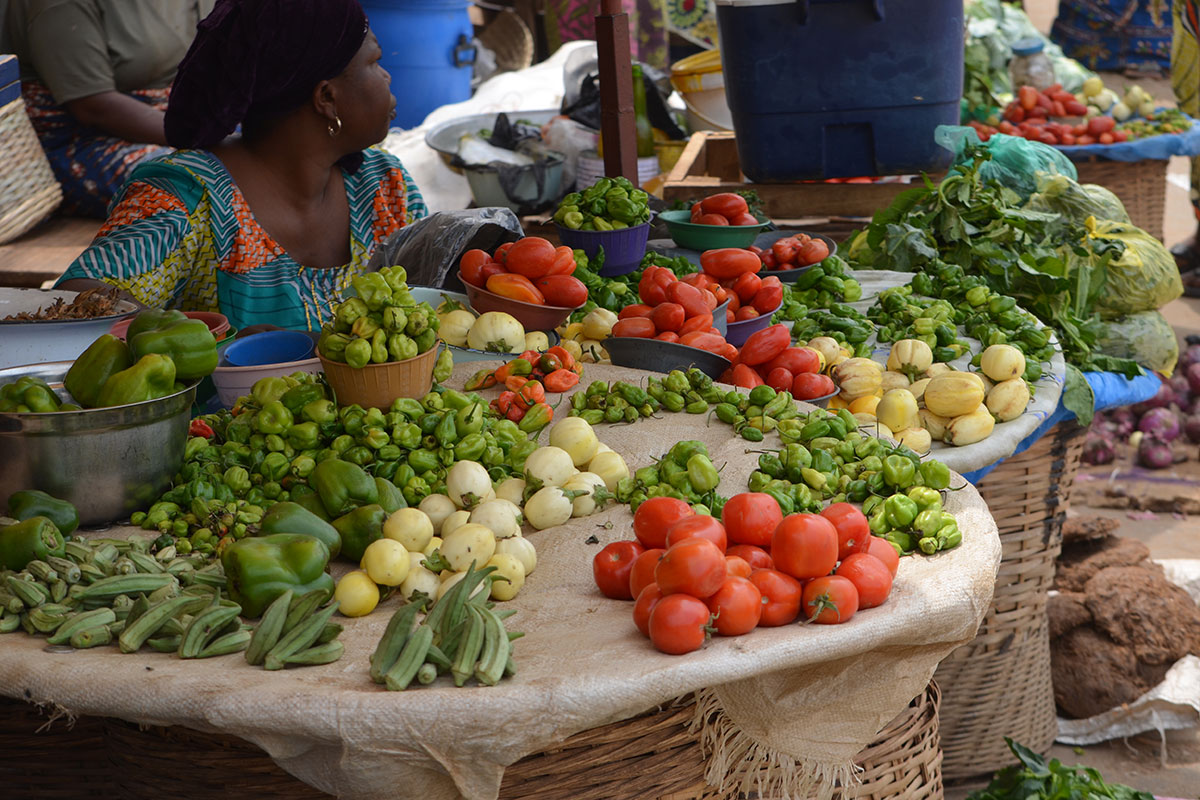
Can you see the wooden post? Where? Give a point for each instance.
(616, 91)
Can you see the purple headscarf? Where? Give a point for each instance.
(256, 58)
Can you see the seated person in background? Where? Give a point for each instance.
(268, 227)
(95, 76)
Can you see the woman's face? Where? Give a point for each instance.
(366, 105)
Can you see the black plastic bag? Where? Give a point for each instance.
(586, 108)
(430, 249)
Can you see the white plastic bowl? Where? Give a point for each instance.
(234, 382)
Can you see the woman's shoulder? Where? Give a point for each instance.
(380, 165)
(190, 174)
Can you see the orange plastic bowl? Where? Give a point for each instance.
(217, 323)
(531, 316)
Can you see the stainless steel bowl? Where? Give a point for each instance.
(108, 462)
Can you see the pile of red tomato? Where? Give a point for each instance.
(792, 252)
(1031, 116)
(692, 575)
(736, 270)
(725, 208)
(531, 270)
(676, 310)
(768, 357)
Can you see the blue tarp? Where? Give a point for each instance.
(1111, 390)
(1159, 147)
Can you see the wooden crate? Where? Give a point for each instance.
(709, 164)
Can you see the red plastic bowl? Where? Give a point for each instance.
(531, 316)
(217, 323)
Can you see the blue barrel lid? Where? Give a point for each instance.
(1028, 46)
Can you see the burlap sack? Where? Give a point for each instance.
(799, 700)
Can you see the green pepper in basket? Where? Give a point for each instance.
(28, 394)
(30, 539)
(259, 569)
(358, 353)
(151, 377)
(104, 358)
(401, 347)
(333, 346)
(291, 517)
(189, 343)
(374, 290)
(347, 312)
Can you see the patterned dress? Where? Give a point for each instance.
(180, 235)
(1185, 73)
(1115, 34)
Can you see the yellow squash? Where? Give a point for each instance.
(1008, 399)
(954, 394)
(910, 356)
(1001, 362)
(970, 428)
(898, 410)
(858, 377)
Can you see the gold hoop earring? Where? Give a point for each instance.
(334, 131)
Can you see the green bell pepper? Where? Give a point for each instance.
(273, 418)
(268, 390)
(189, 343)
(935, 474)
(104, 358)
(374, 290)
(293, 517)
(304, 436)
(274, 466)
(299, 396)
(900, 511)
(926, 498)
(702, 474)
(259, 569)
(34, 538)
(359, 528)
(152, 376)
(390, 496)
(899, 472)
(358, 353)
(343, 486)
(153, 320)
(33, 503)
(28, 394)
(443, 368)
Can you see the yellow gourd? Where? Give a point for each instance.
(858, 377)
(953, 394)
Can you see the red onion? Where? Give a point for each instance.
(1161, 399)
(1189, 356)
(1098, 449)
(1181, 389)
(1191, 427)
(1154, 453)
(1192, 376)
(1161, 423)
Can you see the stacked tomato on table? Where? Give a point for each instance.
(531, 270)
(678, 310)
(725, 208)
(692, 575)
(736, 270)
(1053, 117)
(768, 357)
(792, 252)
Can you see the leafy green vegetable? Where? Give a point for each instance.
(1036, 779)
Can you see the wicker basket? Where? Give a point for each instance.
(29, 191)
(999, 684)
(510, 39)
(1141, 185)
(51, 759)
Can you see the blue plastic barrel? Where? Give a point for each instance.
(427, 49)
(840, 88)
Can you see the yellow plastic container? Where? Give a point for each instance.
(700, 80)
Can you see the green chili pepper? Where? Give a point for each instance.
(899, 471)
(934, 474)
(900, 510)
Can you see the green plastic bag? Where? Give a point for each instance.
(1015, 161)
(1143, 278)
(1076, 201)
(1145, 337)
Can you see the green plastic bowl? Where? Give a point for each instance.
(691, 236)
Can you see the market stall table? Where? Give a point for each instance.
(581, 664)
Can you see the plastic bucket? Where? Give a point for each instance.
(427, 49)
(624, 249)
(377, 385)
(700, 81)
(840, 88)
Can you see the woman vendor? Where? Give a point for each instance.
(95, 77)
(270, 226)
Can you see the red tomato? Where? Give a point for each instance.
(564, 261)
(780, 379)
(1120, 136)
(700, 322)
(768, 260)
(611, 568)
(641, 574)
(781, 596)
(1100, 124)
(1027, 96)
(764, 345)
(668, 316)
(744, 219)
(745, 377)
(883, 550)
(758, 251)
(710, 219)
(870, 577)
(646, 601)
(712, 342)
(471, 265)
(785, 250)
(737, 606)
(751, 518)
(735, 565)
(829, 600)
(636, 310)
(797, 360)
(756, 557)
(813, 251)
(744, 313)
(565, 291)
(693, 566)
(809, 386)
(853, 530)
(501, 254)
(727, 204)
(697, 526)
(679, 624)
(730, 316)
(515, 287)
(653, 517)
(668, 336)
(688, 296)
(532, 257)
(746, 286)
(1058, 109)
(1106, 138)
(637, 327)
(729, 262)
(805, 546)
(769, 297)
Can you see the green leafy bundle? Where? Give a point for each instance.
(1036, 779)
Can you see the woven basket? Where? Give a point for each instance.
(29, 191)
(999, 684)
(51, 759)
(1141, 185)
(510, 39)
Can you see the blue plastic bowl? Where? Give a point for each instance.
(623, 249)
(737, 333)
(269, 347)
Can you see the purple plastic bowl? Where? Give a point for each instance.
(737, 333)
(623, 249)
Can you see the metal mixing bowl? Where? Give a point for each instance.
(108, 462)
